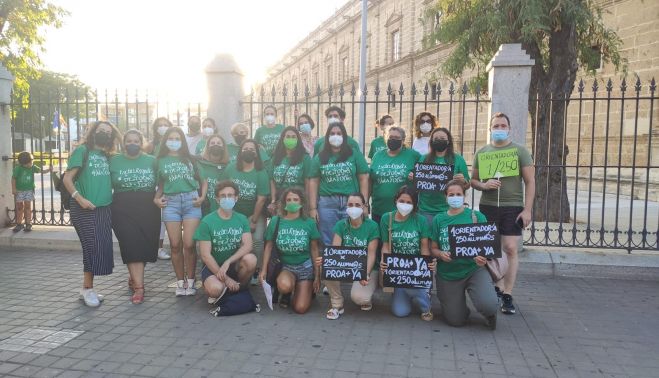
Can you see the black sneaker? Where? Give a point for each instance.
(507, 306)
(285, 300)
(491, 322)
(28, 227)
(18, 227)
(499, 292)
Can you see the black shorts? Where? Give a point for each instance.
(505, 217)
(232, 272)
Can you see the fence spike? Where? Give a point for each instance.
(318, 90)
(401, 90)
(274, 91)
(637, 86)
(284, 91)
(341, 91)
(330, 90)
(389, 90)
(353, 90)
(365, 90)
(413, 90)
(306, 90)
(426, 89)
(451, 89)
(295, 92)
(623, 85)
(609, 85)
(377, 89)
(595, 85)
(580, 87)
(439, 89)
(653, 85)
(465, 89)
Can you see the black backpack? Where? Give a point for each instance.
(237, 303)
(58, 181)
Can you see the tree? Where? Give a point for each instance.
(561, 36)
(22, 27)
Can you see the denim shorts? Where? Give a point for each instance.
(302, 272)
(25, 196)
(179, 207)
(232, 272)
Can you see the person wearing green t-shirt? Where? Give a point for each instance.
(336, 172)
(442, 151)
(88, 180)
(505, 200)
(22, 188)
(403, 231)
(457, 277)
(225, 242)
(379, 144)
(290, 166)
(158, 129)
(390, 169)
(355, 231)
(268, 135)
(135, 218)
(214, 159)
(240, 133)
(295, 236)
(181, 191)
(335, 115)
(208, 129)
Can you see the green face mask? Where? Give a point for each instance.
(290, 143)
(292, 207)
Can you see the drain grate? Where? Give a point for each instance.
(39, 340)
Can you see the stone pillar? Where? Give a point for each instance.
(508, 84)
(6, 198)
(225, 91)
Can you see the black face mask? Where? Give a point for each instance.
(194, 127)
(103, 139)
(439, 145)
(216, 150)
(394, 144)
(248, 156)
(239, 139)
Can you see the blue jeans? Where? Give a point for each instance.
(331, 209)
(179, 207)
(401, 303)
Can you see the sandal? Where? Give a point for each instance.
(138, 295)
(334, 313)
(130, 284)
(427, 316)
(367, 307)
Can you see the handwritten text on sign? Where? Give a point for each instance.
(432, 177)
(474, 239)
(344, 264)
(506, 162)
(407, 271)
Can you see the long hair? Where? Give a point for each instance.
(409, 190)
(417, 122)
(90, 137)
(326, 152)
(361, 197)
(224, 159)
(449, 156)
(154, 129)
(280, 150)
(303, 201)
(183, 153)
(258, 163)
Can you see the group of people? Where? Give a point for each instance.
(286, 191)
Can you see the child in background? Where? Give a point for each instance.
(22, 187)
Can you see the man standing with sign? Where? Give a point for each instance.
(499, 169)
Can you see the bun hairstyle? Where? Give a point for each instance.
(457, 182)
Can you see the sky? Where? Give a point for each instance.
(165, 45)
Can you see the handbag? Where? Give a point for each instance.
(58, 182)
(274, 264)
(497, 267)
(235, 304)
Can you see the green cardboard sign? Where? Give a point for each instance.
(506, 162)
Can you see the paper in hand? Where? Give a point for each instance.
(267, 289)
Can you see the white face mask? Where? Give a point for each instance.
(269, 119)
(332, 120)
(425, 127)
(208, 131)
(354, 212)
(336, 140)
(162, 130)
(404, 208)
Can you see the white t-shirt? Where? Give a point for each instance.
(420, 145)
(193, 141)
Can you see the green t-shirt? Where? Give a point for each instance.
(268, 137)
(293, 238)
(24, 177)
(357, 237)
(177, 176)
(435, 202)
(210, 172)
(200, 146)
(133, 175)
(377, 145)
(225, 235)
(233, 150)
(388, 174)
(339, 178)
(406, 236)
(512, 190)
(250, 184)
(457, 269)
(94, 183)
(318, 146)
(286, 176)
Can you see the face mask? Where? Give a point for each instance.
(404, 208)
(227, 203)
(103, 139)
(354, 212)
(439, 145)
(290, 143)
(269, 119)
(248, 156)
(216, 150)
(173, 145)
(162, 130)
(455, 202)
(292, 207)
(239, 139)
(499, 135)
(425, 127)
(208, 131)
(133, 149)
(305, 128)
(194, 127)
(336, 140)
(333, 120)
(394, 144)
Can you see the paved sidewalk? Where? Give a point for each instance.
(565, 327)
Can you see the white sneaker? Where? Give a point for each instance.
(90, 297)
(191, 289)
(163, 254)
(180, 288)
(325, 290)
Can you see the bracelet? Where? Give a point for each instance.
(74, 194)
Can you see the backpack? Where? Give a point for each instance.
(58, 181)
(235, 304)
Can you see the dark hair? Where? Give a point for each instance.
(90, 138)
(209, 119)
(303, 200)
(154, 128)
(270, 107)
(449, 157)
(342, 113)
(258, 163)
(307, 116)
(135, 132)
(383, 119)
(418, 122)
(24, 157)
(358, 194)
(499, 115)
(280, 149)
(183, 153)
(193, 117)
(457, 182)
(326, 152)
(206, 155)
(226, 184)
(409, 190)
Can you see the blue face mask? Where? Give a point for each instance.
(455, 202)
(305, 128)
(227, 203)
(173, 145)
(499, 135)
(133, 149)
